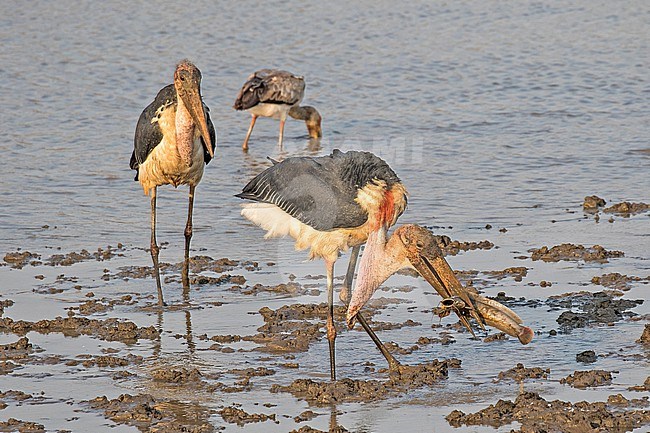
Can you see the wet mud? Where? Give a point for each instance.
(399, 381)
(592, 308)
(571, 252)
(617, 281)
(150, 414)
(537, 415)
(20, 259)
(594, 204)
(240, 417)
(108, 329)
(294, 328)
(520, 373)
(585, 379)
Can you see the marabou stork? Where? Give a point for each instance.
(276, 94)
(174, 140)
(331, 203)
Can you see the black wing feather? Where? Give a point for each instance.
(147, 134)
(213, 136)
(320, 192)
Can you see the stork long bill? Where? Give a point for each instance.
(437, 272)
(192, 100)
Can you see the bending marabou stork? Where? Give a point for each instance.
(276, 94)
(335, 202)
(174, 140)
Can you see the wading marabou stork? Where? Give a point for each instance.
(174, 140)
(276, 94)
(331, 203)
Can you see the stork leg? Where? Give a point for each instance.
(280, 138)
(250, 130)
(331, 329)
(154, 247)
(185, 274)
(393, 364)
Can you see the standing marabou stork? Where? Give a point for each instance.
(174, 140)
(334, 202)
(276, 94)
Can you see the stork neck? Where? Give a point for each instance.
(298, 113)
(184, 132)
(380, 260)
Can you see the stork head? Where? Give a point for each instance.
(313, 122)
(187, 81)
(312, 119)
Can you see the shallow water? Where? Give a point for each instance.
(491, 113)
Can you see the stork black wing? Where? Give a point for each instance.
(213, 135)
(320, 192)
(147, 132)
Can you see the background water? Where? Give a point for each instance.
(501, 113)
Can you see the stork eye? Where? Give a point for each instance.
(419, 244)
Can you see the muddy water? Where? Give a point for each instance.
(492, 114)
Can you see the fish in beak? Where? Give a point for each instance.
(187, 80)
(492, 312)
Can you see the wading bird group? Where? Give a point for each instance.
(327, 204)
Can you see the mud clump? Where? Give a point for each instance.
(109, 329)
(538, 415)
(207, 263)
(587, 357)
(454, 247)
(15, 354)
(289, 328)
(353, 390)
(518, 273)
(592, 203)
(240, 417)
(216, 281)
(308, 429)
(18, 260)
(15, 425)
(106, 361)
(291, 288)
(600, 307)
(588, 379)
(571, 252)
(519, 373)
(252, 372)
(627, 208)
(93, 306)
(617, 281)
(5, 304)
(177, 375)
(198, 264)
(148, 414)
(71, 258)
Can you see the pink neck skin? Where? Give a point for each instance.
(380, 260)
(184, 133)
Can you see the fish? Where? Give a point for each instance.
(491, 312)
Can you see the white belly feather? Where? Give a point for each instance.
(274, 111)
(164, 166)
(278, 223)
